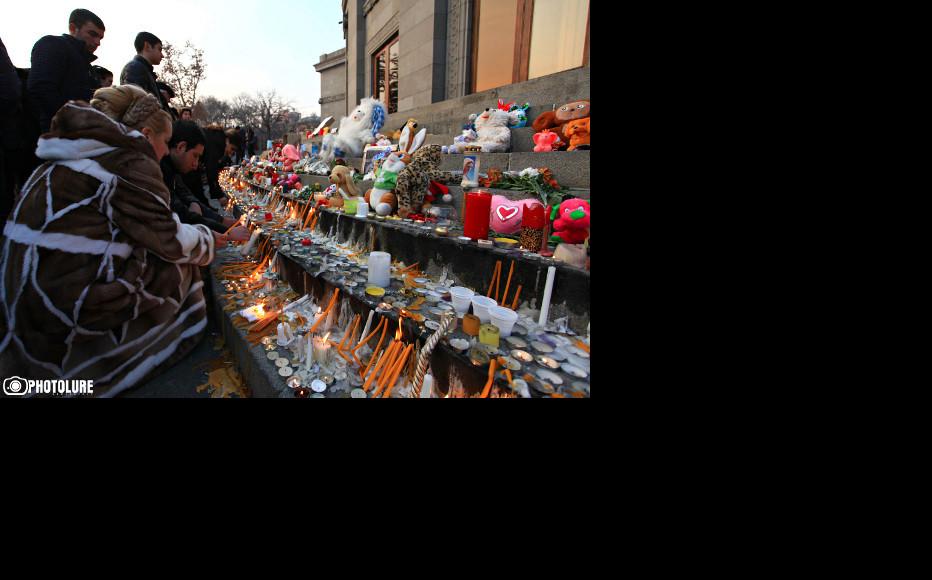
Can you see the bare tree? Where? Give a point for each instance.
(184, 70)
(274, 113)
(213, 110)
(244, 111)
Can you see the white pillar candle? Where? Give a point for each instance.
(308, 353)
(365, 330)
(283, 333)
(380, 266)
(548, 290)
(362, 209)
(427, 387)
(247, 249)
(322, 350)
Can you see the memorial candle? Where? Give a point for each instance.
(380, 264)
(478, 213)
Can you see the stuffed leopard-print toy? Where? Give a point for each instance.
(414, 180)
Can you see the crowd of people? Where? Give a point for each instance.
(110, 201)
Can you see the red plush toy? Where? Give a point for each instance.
(572, 222)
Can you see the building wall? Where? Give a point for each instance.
(332, 69)
(434, 57)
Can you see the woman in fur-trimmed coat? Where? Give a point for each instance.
(100, 279)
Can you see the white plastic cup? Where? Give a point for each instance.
(362, 209)
(480, 307)
(461, 298)
(504, 319)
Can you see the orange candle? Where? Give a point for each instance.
(378, 365)
(397, 372)
(507, 284)
(488, 385)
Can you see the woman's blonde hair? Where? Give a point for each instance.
(133, 107)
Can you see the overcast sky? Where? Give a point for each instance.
(248, 46)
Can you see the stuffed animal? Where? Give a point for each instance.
(578, 133)
(492, 131)
(556, 120)
(436, 190)
(507, 215)
(381, 197)
(411, 124)
(290, 155)
(414, 180)
(545, 140)
(356, 131)
(342, 177)
(519, 117)
(572, 222)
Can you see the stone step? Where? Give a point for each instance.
(570, 168)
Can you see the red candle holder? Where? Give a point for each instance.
(478, 213)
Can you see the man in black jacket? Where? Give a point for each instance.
(10, 98)
(61, 66)
(139, 71)
(184, 154)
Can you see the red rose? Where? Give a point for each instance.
(306, 242)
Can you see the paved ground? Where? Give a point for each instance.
(181, 380)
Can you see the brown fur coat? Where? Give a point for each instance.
(100, 279)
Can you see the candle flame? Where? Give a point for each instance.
(398, 333)
(326, 337)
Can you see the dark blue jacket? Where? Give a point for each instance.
(61, 72)
(140, 72)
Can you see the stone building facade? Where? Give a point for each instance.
(431, 59)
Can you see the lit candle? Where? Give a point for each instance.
(365, 330)
(478, 212)
(322, 349)
(548, 290)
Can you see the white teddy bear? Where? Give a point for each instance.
(356, 131)
(492, 131)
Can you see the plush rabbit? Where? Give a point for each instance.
(494, 136)
(356, 131)
(381, 197)
(414, 180)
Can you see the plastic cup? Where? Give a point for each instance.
(461, 298)
(349, 206)
(480, 307)
(362, 209)
(504, 319)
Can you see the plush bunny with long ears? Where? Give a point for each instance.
(381, 197)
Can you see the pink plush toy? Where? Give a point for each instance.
(544, 141)
(572, 222)
(506, 214)
(290, 155)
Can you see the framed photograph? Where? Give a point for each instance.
(373, 151)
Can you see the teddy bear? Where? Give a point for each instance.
(571, 225)
(556, 120)
(356, 131)
(577, 131)
(492, 131)
(545, 140)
